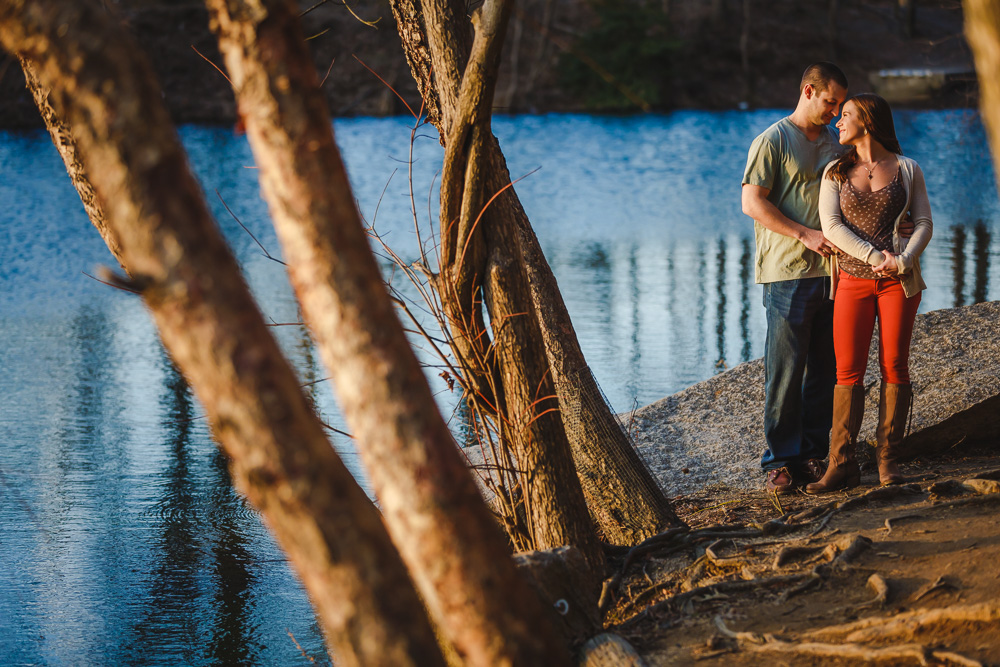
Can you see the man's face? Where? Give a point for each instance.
(824, 104)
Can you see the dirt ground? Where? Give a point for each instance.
(892, 575)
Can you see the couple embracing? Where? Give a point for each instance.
(840, 220)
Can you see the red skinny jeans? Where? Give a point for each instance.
(857, 303)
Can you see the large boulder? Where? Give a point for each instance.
(711, 434)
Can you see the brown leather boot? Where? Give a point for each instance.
(848, 409)
(893, 409)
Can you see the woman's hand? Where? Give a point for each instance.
(888, 266)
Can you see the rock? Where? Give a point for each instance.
(715, 428)
(609, 650)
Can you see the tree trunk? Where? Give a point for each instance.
(831, 30)
(432, 507)
(63, 141)
(982, 30)
(907, 12)
(90, 72)
(623, 498)
(562, 578)
(555, 504)
(748, 89)
(622, 495)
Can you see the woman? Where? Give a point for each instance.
(864, 196)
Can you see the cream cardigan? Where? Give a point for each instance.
(907, 262)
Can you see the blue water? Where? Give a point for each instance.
(121, 540)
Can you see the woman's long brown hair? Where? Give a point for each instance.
(876, 117)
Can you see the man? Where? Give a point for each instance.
(781, 193)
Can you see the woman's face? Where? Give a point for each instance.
(851, 129)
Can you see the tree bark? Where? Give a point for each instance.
(433, 510)
(472, 238)
(623, 498)
(622, 495)
(98, 85)
(63, 140)
(982, 30)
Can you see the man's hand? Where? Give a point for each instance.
(906, 226)
(757, 206)
(815, 241)
(888, 266)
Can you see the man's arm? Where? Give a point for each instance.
(758, 207)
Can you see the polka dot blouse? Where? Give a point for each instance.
(872, 216)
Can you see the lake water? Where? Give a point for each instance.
(121, 540)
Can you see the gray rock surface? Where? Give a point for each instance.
(714, 429)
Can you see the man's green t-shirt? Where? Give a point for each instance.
(783, 160)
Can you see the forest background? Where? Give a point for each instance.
(571, 55)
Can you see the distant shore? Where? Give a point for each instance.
(697, 61)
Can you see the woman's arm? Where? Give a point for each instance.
(834, 227)
(923, 226)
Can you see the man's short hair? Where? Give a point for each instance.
(822, 73)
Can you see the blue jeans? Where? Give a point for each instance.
(801, 372)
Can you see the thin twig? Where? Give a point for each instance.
(240, 223)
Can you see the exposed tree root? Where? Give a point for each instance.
(889, 655)
(988, 499)
(878, 493)
(894, 655)
(679, 538)
(720, 561)
(839, 553)
(846, 549)
(877, 583)
(938, 585)
(812, 561)
(713, 591)
(908, 624)
(982, 486)
(891, 521)
(814, 578)
(702, 584)
(788, 553)
(811, 513)
(676, 539)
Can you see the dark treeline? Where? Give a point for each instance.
(565, 55)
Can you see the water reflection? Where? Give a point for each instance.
(176, 571)
(957, 241)
(746, 277)
(720, 308)
(981, 253)
(122, 539)
(958, 264)
(233, 638)
(664, 312)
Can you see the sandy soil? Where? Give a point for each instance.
(724, 595)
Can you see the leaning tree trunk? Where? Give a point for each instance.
(555, 504)
(87, 72)
(433, 510)
(622, 495)
(982, 30)
(63, 141)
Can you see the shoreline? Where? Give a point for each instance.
(224, 121)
